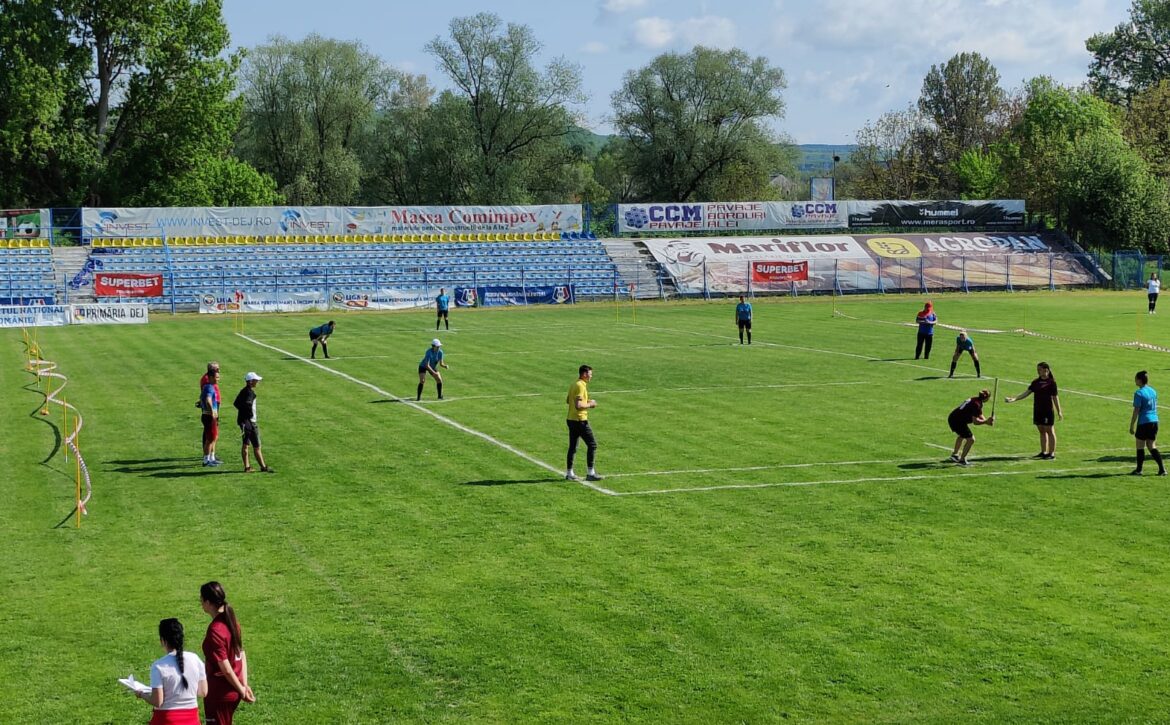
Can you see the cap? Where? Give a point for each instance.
(436, 343)
(251, 376)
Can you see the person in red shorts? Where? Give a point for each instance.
(227, 666)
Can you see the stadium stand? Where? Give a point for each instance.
(201, 265)
(26, 271)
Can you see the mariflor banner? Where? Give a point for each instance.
(126, 284)
(732, 215)
(779, 271)
(957, 214)
(317, 220)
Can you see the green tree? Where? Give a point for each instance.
(310, 108)
(690, 119)
(962, 98)
(980, 174)
(1147, 127)
(894, 158)
(1135, 56)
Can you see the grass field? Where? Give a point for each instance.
(777, 538)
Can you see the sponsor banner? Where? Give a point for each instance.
(912, 246)
(887, 213)
(316, 220)
(24, 223)
(34, 316)
(127, 284)
(501, 296)
(383, 299)
(779, 271)
(240, 301)
(740, 215)
(466, 297)
(25, 301)
(131, 313)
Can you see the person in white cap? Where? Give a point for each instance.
(431, 363)
(245, 405)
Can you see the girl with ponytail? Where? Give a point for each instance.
(223, 647)
(177, 679)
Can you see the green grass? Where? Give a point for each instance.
(398, 569)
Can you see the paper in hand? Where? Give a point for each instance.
(134, 685)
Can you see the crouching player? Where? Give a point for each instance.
(969, 413)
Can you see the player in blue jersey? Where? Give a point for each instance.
(442, 307)
(430, 365)
(743, 319)
(320, 336)
(926, 320)
(1144, 423)
(964, 343)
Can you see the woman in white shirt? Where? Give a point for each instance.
(177, 679)
(1152, 288)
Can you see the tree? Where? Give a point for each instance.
(894, 158)
(309, 110)
(962, 98)
(980, 175)
(689, 119)
(1135, 56)
(1147, 127)
(515, 114)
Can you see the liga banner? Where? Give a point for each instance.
(24, 223)
(727, 216)
(498, 296)
(241, 301)
(958, 214)
(779, 271)
(382, 299)
(316, 220)
(127, 313)
(34, 316)
(127, 284)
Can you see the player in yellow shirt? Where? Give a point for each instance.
(578, 421)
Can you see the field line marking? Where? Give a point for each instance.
(877, 479)
(935, 445)
(859, 357)
(410, 403)
(671, 390)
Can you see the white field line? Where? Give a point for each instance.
(862, 357)
(668, 390)
(879, 479)
(935, 445)
(442, 418)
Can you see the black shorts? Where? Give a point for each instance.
(1046, 418)
(960, 428)
(1146, 432)
(251, 433)
(744, 324)
(441, 314)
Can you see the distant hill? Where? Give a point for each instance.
(586, 139)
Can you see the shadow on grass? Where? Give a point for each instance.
(1116, 459)
(945, 462)
(389, 400)
(932, 377)
(201, 471)
(144, 461)
(35, 414)
(1102, 474)
(890, 359)
(514, 481)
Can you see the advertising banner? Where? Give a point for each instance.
(127, 284)
(958, 214)
(382, 299)
(24, 223)
(26, 301)
(240, 301)
(768, 272)
(502, 296)
(466, 297)
(34, 316)
(128, 313)
(315, 220)
(727, 216)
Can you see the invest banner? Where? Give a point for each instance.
(768, 272)
(241, 301)
(34, 316)
(957, 214)
(501, 296)
(24, 223)
(315, 220)
(382, 299)
(727, 216)
(126, 284)
(127, 313)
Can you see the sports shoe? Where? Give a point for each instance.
(1041, 454)
(208, 463)
(594, 477)
(1049, 456)
(267, 470)
(963, 462)
(1135, 472)
(216, 462)
(954, 458)
(571, 477)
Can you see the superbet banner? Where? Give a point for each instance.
(125, 284)
(733, 215)
(779, 271)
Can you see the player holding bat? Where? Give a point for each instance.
(969, 412)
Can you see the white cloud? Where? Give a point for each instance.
(595, 47)
(709, 30)
(652, 33)
(622, 6)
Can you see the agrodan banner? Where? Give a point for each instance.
(872, 262)
(294, 221)
(885, 213)
(127, 284)
(728, 216)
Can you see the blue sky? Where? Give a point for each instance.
(846, 61)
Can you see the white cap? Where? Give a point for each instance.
(249, 377)
(436, 343)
